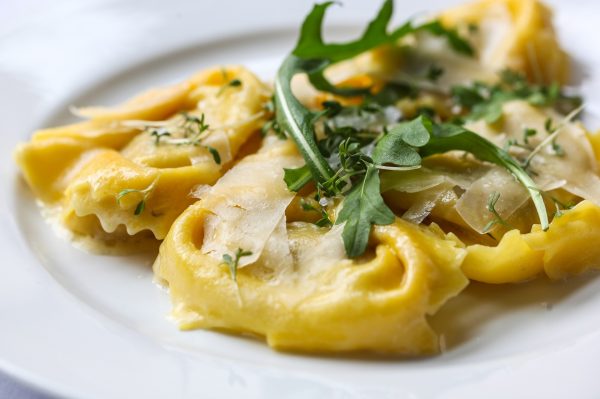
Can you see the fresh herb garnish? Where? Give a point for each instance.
(215, 154)
(347, 160)
(233, 261)
(553, 131)
(363, 207)
(193, 130)
(561, 207)
(491, 207)
(231, 83)
(484, 101)
(324, 221)
(193, 127)
(297, 178)
(549, 126)
(158, 134)
(399, 146)
(557, 148)
(434, 73)
(271, 125)
(527, 133)
(145, 193)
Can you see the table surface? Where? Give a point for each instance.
(11, 389)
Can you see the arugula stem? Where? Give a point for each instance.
(458, 138)
(295, 119)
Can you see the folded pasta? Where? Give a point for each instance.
(339, 208)
(134, 166)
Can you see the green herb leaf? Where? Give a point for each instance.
(158, 134)
(311, 47)
(123, 193)
(457, 43)
(297, 178)
(312, 56)
(363, 207)
(144, 194)
(448, 137)
(392, 149)
(215, 154)
(397, 147)
(416, 132)
(549, 125)
(140, 207)
(325, 221)
(557, 148)
(491, 207)
(231, 83)
(484, 101)
(527, 133)
(434, 73)
(233, 261)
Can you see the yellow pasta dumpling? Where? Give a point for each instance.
(129, 166)
(514, 34)
(340, 209)
(568, 248)
(293, 283)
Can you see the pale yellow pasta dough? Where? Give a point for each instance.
(515, 34)
(83, 167)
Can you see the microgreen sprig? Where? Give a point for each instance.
(324, 221)
(233, 261)
(145, 193)
(347, 161)
(491, 207)
(193, 130)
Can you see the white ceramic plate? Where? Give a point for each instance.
(86, 326)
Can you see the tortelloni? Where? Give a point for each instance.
(130, 168)
(297, 288)
(514, 34)
(566, 249)
(452, 190)
(254, 225)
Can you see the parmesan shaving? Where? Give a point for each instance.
(247, 204)
(575, 171)
(315, 249)
(472, 204)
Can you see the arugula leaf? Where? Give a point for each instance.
(310, 45)
(297, 121)
(457, 43)
(431, 139)
(363, 207)
(397, 147)
(296, 178)
(449, 137)
(312, 56)
(355, 170)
